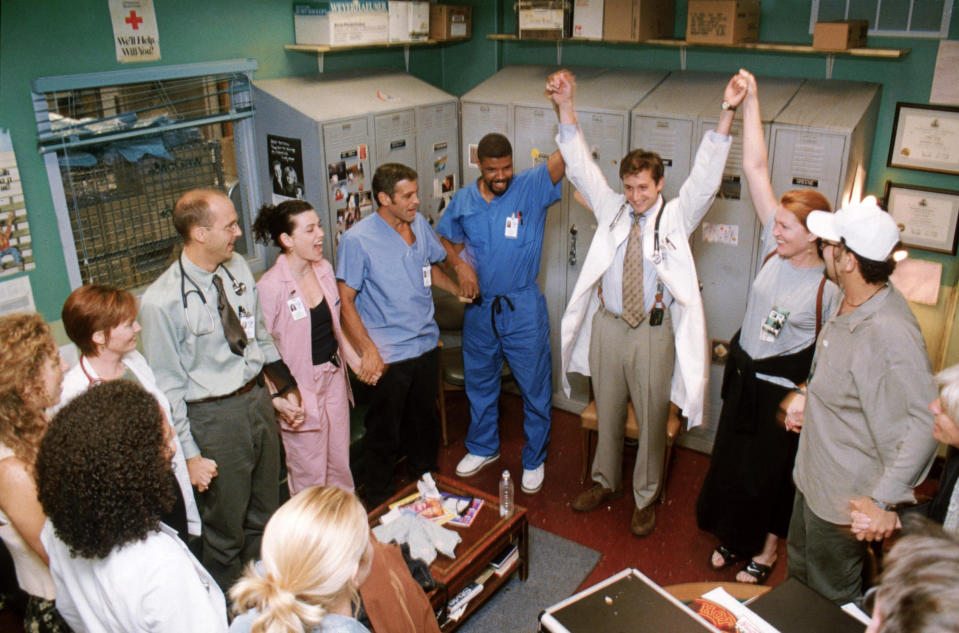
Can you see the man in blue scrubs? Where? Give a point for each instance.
(384, 273)
(500, 221)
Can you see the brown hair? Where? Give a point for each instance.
(192, 209)
(388, 175)
(639, 160)
(800, 202)
(272, 221)
(92, 308)
(27, 345)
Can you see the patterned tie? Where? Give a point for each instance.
(634, 298)
(232, 329)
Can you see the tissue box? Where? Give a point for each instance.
(722, 21)
(341, 22)
(409, 21)
(450, 22)
(638, 20)
(840, 35)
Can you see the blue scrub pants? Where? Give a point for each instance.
(522, 336)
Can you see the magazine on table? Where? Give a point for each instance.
(464, 509)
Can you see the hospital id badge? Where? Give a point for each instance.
(512, 227)
(773, 325)
(427, 276)
(249, 326)
(297, 310)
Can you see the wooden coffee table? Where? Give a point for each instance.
(481, 542)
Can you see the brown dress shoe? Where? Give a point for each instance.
(643, 521)
(594, 497)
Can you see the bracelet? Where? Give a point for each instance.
(882, 505)
(799, 391)
(728, 106)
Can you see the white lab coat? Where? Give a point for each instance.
(676, 269)
(75, 382)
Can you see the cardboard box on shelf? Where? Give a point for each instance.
(588, 19)
(544, 19)
(409, 21)
(341, 22)
(722, 21)
(840, 35)
(638, 20)
(450, 21)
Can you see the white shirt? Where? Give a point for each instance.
(153, 585)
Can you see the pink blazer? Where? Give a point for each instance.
(276, 287)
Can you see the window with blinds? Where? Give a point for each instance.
(888, 18)
(122, 147)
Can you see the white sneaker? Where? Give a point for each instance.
(533, 479)
(472, 464)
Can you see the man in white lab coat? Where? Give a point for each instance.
(636, 312)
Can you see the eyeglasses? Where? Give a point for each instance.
(232, 227)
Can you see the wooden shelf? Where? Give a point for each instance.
(802, 49)
(321, 49)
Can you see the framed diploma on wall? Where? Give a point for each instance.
(925, 137)
(926, 217)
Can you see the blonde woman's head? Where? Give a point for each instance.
(315, 551)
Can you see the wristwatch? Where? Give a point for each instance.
(882, 505)
(728, 106)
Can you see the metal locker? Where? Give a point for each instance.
(823, 139)
(347, 124)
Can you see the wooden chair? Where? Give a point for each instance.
(589, 426)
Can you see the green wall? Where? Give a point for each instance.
(56, 37)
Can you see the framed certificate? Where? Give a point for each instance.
(926, 217)
(926, 138)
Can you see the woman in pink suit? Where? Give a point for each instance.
(301, 307)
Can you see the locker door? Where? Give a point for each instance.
(725, 249)
(808, 159)
(478, 120)
(672, 139)
(347, 153)
(395, 134)
(438, 157)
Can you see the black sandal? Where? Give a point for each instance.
(728, 557)
(758, 571)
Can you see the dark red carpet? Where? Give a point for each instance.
(675, 552)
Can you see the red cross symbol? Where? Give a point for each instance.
(134, 20)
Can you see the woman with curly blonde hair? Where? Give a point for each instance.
(316, 552)
(31, 374)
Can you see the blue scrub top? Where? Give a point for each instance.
(394, 304)
(502, 264)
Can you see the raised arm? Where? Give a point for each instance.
(755, 156)
(733, 95)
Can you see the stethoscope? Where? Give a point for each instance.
(657, 253)
(238, 286)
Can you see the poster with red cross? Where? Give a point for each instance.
(135, 30)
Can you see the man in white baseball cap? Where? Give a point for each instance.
(866, 430)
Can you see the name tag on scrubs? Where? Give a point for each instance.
(249, 326)
(297, 310)
(427, 276)
(512, 227)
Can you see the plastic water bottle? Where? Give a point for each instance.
(506, 495)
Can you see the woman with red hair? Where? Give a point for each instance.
(747, 497)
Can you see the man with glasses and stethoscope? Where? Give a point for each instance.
(204, 337)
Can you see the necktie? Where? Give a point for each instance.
(234, 332)
(634, 298)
